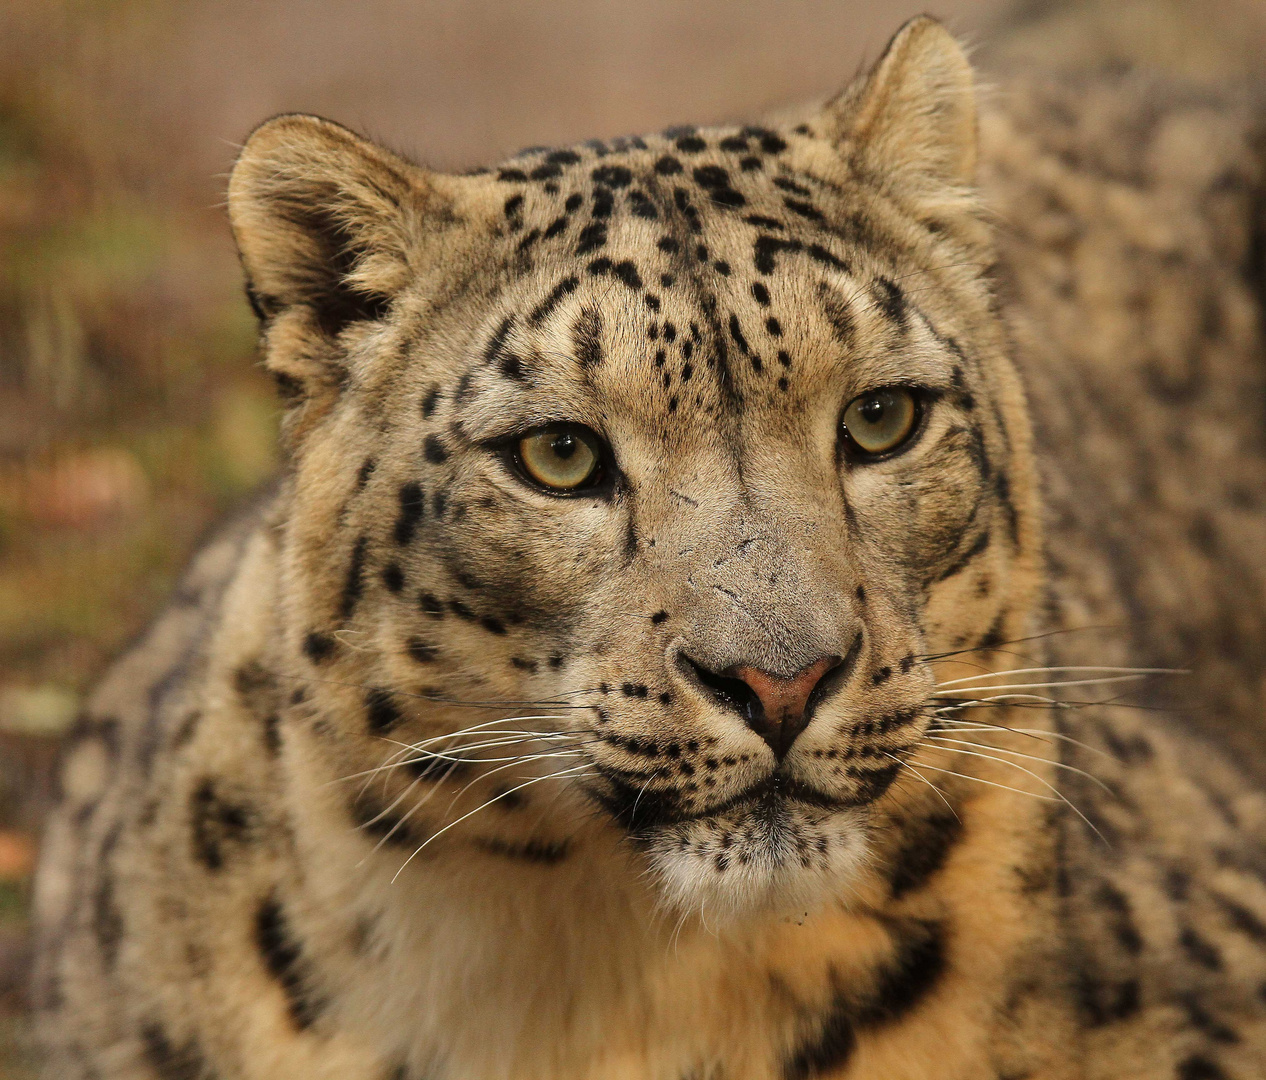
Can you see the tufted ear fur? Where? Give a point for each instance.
(329, 228)
(914, 115)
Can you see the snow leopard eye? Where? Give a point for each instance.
(880, 422)
(562, 458)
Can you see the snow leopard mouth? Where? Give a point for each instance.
(644, 813)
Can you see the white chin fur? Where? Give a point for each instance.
(785, 859)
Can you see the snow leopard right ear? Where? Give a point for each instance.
(912, 118)
(330, 228)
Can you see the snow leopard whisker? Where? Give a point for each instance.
(1139, 671)
(489, 703)
(575, 771)
(928, 658)
(1037, 733)
(403, 821)
(939, 793)
(1053, 763)
(1043, 685)
(1056, 794)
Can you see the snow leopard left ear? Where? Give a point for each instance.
(913, 117)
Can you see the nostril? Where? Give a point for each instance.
(732, 693)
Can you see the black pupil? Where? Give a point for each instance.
(872, 410)
(564, 445)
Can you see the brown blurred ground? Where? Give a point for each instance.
(131, 411)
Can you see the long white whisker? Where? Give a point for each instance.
(1028, 757)
(1044, 685)
(940, 794)
(1042, 670)
(1059, 795)
(991, 783)
(1037, 733)
(501, 795)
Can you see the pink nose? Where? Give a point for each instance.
(783, 701)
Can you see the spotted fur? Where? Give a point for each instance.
(424, 775)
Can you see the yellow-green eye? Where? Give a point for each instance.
(561, 458)
(881, 420)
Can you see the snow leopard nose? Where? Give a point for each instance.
(783, 712)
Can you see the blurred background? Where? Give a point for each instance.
(132, 409)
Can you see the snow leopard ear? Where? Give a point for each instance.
(325, 220)
(330, 229)
(913, 117)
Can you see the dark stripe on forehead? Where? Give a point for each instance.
(561, 290)
(586, 335)
(839, 314)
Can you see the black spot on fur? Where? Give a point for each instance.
(173, 1062)
(691, 144)
(586, 335)
(917, 965)
(642, 206)
(760, 294)
(628, 274)
(365, 471)
(616, 176)
(107, 918)
(412, 506)
(1199, 950)
(541, 852)
(829, 1050)
(820, 254)
(804, 209)
(431, 605)
(283, 957)
(354, 585)
(978, 547)
(767, 248)
(1117, 905)
(1106, 1002)
(381, 711)
(890, 300)
(592, 237)
(668, 244)
(1199, 1067)
(563, 289)
(492, 353)
(217, 825)
(420, 650)
(429, 402)
(435, 451)
(381, 823)
(603, 202)
(513, 205)
(317, 646)
(923, 849)
(1245, 921)
(787, 184)
(555, 227)
(393, 576)
(736, 332)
